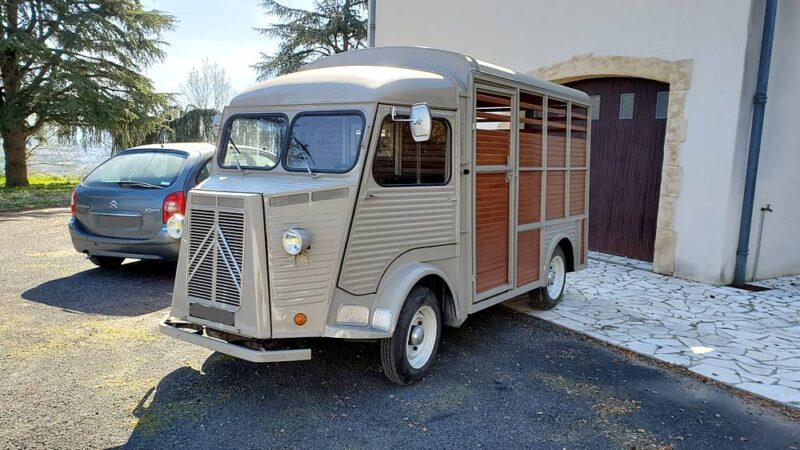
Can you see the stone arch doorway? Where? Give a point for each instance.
(628, 126)
(677, 74)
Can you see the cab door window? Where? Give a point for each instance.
(400, 161)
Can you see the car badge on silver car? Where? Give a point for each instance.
(113, 204)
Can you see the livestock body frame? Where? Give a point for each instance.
(470, 218)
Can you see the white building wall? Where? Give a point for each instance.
(526, 35)
(779, 164)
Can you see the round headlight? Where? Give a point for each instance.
(175, 226)
(296, 241)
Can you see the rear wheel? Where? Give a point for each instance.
(106, 262)
(409, 353)
(548, 296)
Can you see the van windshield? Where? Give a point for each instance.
(324, 142)
(253, 142)
(139, 170)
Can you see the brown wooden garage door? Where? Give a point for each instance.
(626, 159)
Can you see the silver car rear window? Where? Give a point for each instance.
(151, 168)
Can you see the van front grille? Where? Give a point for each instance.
(216, 247)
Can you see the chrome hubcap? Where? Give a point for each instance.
(421, 337)
(417, 335)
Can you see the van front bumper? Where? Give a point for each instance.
(195, 337)
(159, 247)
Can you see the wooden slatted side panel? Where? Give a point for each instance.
(556, 188)
(492, 147)
(530, 131)
(529, 198)
(556, 133)
(491, 231)
(492, 191)
(528, 250)
(577, 151)
(577, 192)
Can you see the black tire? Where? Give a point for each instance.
(540, 297)
(106, 262)
(394, 360)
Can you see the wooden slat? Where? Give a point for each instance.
(577, 152)
(493, 117)
(494, 100)
(530, 197)
(491, 231)
(556, 151)
(556, 188)
(528, 252)
(530, 149)
(577, 192)
(492, 147)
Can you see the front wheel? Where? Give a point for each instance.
(409, 353)
(548, 296)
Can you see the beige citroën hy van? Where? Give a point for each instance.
(381, 194)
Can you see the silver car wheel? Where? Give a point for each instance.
(421, 337)
(556, 276)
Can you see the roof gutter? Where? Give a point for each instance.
(756, 128)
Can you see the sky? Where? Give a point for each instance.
(221, 31)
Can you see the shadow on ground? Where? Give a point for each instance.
(19, 215)
(502, 380)
(133, 289)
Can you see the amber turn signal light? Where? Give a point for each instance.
(299, 319)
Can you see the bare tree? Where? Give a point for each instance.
(207, 87)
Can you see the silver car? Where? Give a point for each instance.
(121, 209)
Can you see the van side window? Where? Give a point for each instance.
(399, 161)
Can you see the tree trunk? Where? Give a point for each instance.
(16, 163)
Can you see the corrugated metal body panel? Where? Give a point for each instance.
(569, 229)
(390, 222)
(528, 255)
(308, 278)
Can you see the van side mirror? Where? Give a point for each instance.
(419, 121)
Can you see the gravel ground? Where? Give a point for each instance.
(82, 366)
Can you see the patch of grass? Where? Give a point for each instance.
(44, 191)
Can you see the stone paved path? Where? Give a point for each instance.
(750, 340)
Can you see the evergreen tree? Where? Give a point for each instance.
(334, 26)
(77, 65)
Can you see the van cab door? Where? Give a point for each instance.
(494, 181)
(407, 208)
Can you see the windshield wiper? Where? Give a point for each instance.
(236, 160)
(139, 184)
(306, 156)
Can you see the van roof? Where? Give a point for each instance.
(389, 75)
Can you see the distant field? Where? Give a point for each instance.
(45, 190)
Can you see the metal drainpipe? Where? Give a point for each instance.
(371, 23)
(756, 128)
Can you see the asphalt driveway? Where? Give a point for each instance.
(82, 365)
